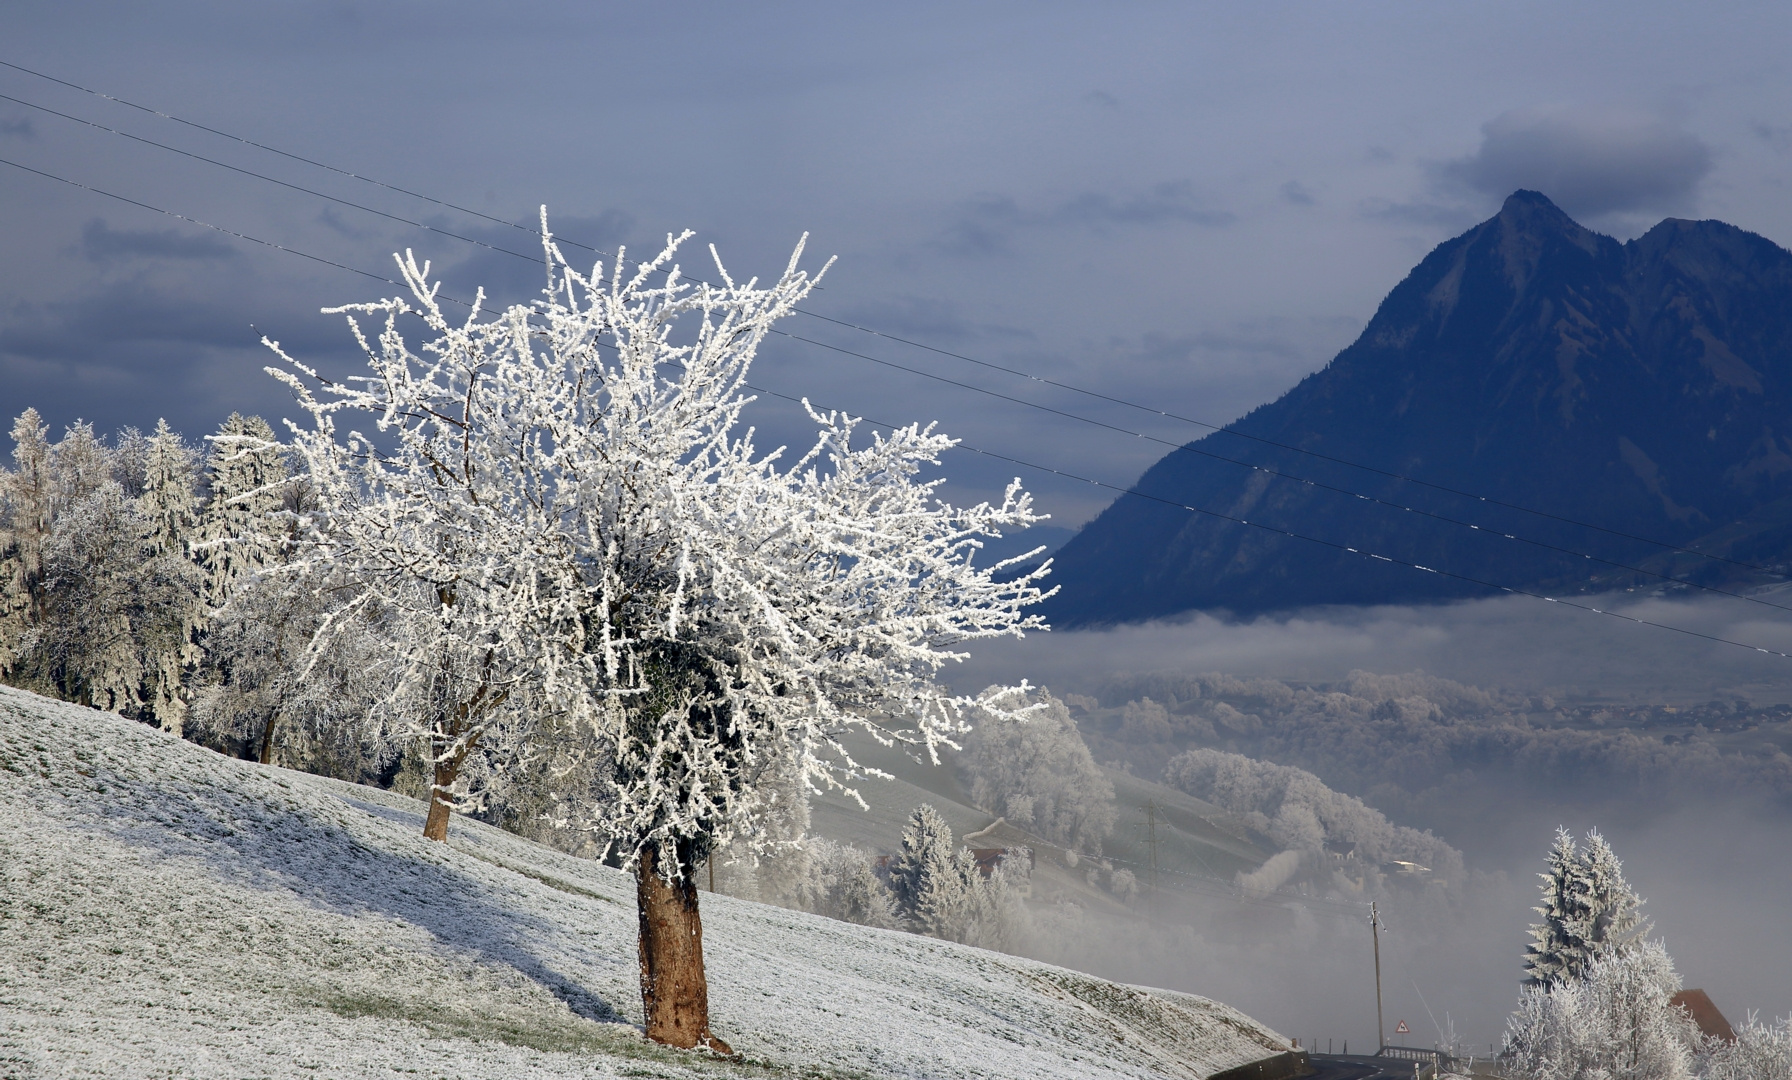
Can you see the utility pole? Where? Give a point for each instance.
(1151, 841)
(1375, 932)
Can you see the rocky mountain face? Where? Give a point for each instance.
(1645, 387)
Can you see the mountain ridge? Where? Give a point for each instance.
(1530, 360)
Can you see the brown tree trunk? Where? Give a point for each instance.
(267, 743)
(435, 826)
(674, 993)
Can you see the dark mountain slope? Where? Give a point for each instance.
(1645, 387)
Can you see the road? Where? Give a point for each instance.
(1338, 1067)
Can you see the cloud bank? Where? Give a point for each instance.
(1589, 161)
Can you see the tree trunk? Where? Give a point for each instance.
(435, 826)
(267, 743)
(674, 993)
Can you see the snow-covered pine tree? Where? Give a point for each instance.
(128, 461)
(1617, 918)
(169, 496)
(933, 893)
(1587, 910)
(26, 498)
(239, 531)
(79, 464)
(1558, 950)
(169, 504)
(582, 460)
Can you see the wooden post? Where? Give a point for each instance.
(1381, 1040)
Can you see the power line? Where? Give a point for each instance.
(1019, 373)
(203, 224)
(1021, 462)
(268, 179)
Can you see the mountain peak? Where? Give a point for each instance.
(1531, 360)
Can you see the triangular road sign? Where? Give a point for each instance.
(1402, 1029)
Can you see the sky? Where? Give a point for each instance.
(1188, 207)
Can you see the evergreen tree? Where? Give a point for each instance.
(1588, 911)
(79, 465)
(1617, 918)
(931, 886)
(128, 462)
(169, 506)
(168, 494)
(26, 497)
(238, 532)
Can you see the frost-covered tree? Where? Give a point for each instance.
(1587, 910)
(1040, 776)
(128, 461)
(263, 675)
(111, 613)
(932, 888)
(571, 485)
(167, 487)
(79, 465)
(1760, 1052)
(239, 531)
(939, 891)
(1300, 813)
(1615, 1023)
(26, 500)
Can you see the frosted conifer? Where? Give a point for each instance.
(1587, 910)
(129, 461)
(169, 507)
(79, 464)
(238, 531)
(26, 499)
(931, 887)
(168, 483)
(1617, 918)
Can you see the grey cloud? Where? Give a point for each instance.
(1173, 200)
(1589, 161)
(1102, 98)
(1297, 193)
(985, 226)
(988, 224)
(100, 242)
(18, 128)
(1420, 212)
(1778, 136)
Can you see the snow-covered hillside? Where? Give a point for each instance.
(165, 911)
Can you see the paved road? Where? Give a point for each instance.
(1330, 1067)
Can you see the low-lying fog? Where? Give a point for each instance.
(1710, 849)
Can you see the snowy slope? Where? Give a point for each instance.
(166, 911)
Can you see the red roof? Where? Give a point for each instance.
(1705, 1014)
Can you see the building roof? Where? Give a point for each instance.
(1705, 1014)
